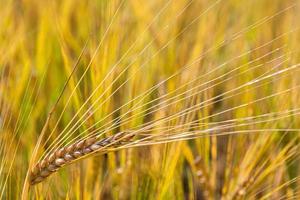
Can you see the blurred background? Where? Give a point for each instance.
(215, 82)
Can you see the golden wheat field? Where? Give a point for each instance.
(160, 99)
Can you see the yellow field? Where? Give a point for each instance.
(204, 94)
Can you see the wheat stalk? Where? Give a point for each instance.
(66, 155)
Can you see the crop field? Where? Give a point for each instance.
(160, 99)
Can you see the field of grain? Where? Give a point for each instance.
(161, 99)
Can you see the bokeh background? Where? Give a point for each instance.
(230, 67)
